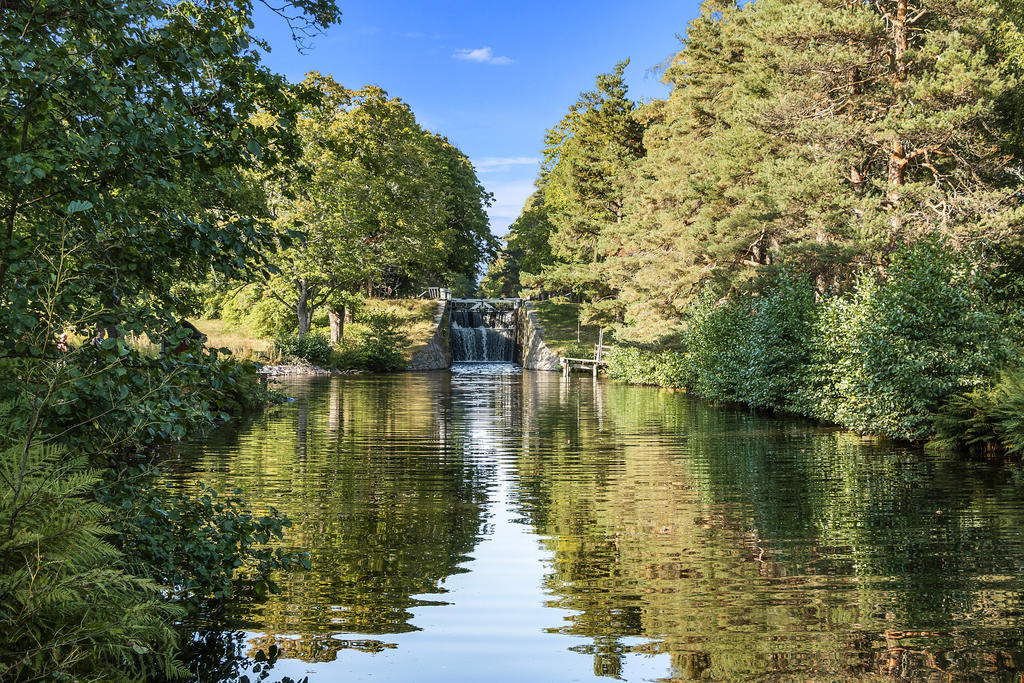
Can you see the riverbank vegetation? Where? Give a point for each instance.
(156, 171)
(127, 127)
(823, 217)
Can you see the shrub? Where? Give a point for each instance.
(314, 347)
(578, 350)
(68, 608)
(831, 363)
(258, 311)
(777, 347)
(138, 401)
(915, 339)
(383, 343)
(988, 417)
(717, 338)
(667, 368)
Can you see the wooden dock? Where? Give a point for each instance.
(587, 363)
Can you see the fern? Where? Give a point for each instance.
(67, 608)
(990, 417)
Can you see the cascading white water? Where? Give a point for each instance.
(483, 336)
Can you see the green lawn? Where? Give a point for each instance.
(558, 319)
(417, 316)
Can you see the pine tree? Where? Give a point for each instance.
(586, 175)
(822, 133)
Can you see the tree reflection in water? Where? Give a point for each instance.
(746, 545)
(727, 544)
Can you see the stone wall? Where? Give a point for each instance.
(438, 353)
(531, 350)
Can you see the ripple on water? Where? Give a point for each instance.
(495, 523)
(486, 369)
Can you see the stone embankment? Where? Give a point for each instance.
(437, 355)
(293, 369)
(534, 354)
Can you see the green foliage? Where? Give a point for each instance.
(374, 202)
(667, 368)
(584, 182)
(815, 135)
(988, 417)
(776, 346)
(126, 128)
(112, 175)
(113, 400)
(380, 349)
(716, 342)
(200, 545)
(314, 347)
(883, 359)
(68, 608)
(527, 251)
(254, 309)
(925, 333)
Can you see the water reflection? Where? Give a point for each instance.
(616, 531)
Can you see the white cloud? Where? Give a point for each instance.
(509, 199)
(497, 164)
(483, 55)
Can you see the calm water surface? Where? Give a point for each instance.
(505, 526)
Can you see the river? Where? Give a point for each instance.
(508, 526)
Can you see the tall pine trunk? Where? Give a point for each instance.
(897, 152)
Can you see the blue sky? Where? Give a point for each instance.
(492, 76)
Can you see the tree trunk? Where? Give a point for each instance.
(336, 318)
(303, 311)
(898, 160)
(899, 34)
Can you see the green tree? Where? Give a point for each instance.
(585, 176)
(825, 134)
(527, 251)
(376, 203)
(124, 126)
(467, 240)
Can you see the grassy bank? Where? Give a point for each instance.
(559, 320)
(414, 325)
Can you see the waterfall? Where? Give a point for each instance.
(483, 336)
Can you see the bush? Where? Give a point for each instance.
(717, 339)
(138, 401)
(68, 608)
(777, 347)
(882, 360)
(915, 339)
(989, 417)
(668, 368)
(314, 347)
(382, 346)
(257, 311)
